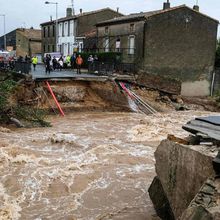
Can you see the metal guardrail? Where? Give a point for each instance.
(19, 67)
(105, 68)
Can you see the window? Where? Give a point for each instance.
(60, 29)
(106, 44)
(53, 47)
(131, 45)
(131, 27)
(106, 30)
(48, 48)
(65, 29)
(53, 30)
(118, 45)
(44, 29)
(44, 48)
(80, 47)
(48, 31)
(72, 28)
(68, 34)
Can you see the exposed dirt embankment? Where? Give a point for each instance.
(103, 96)
(78, 96)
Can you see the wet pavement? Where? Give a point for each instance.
(40, 73)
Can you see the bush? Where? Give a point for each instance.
(107, 57)
(6, 89)
(9, 108)
(32, 116)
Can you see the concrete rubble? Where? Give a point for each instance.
(206, 204)
(185, 182)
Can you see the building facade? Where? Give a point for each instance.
(72, 30)
(48, 32)
(23, 42)
(176, 43)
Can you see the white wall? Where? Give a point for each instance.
(68, 39)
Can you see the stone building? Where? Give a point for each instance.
(175, 43)
(73, 29)
(23, 41)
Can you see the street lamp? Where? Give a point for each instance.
(55, 3)
(5, 46)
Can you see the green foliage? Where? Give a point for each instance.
(33, 115)
(6, 89)
(217, 57)
(30, 115)
(111, 57)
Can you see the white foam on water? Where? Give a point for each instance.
(63, 138)
(10, 208)
(132, 105)
(109, 151)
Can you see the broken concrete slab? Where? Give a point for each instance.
(206, 204)
(160, 201)
(182, 170)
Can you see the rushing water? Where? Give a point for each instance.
(88, 166)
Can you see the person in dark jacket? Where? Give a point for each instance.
(54, 61)
(47, 63)
(73, 61)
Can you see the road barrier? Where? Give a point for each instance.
(19, 67)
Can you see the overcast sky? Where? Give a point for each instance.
(27, 13)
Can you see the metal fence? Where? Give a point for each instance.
(107, 68)
(19, 67)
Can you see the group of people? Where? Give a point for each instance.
(63, 62)
(75, 62)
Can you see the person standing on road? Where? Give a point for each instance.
(90, 62)
(79, 62)
(73, 60)
(47, 63)
(60, 61)
(68, 60)
(34, 62)
(54, 62)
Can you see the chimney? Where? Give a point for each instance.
(117, 9)
(69, 12)
(51, 18)
(166, 5)
(80, 10)
(196, 7)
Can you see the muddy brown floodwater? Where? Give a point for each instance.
(88, 166)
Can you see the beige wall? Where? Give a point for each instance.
(197, 88)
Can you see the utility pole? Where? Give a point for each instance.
(55, 3)
(5, 44)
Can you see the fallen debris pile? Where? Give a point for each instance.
(207, 128)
